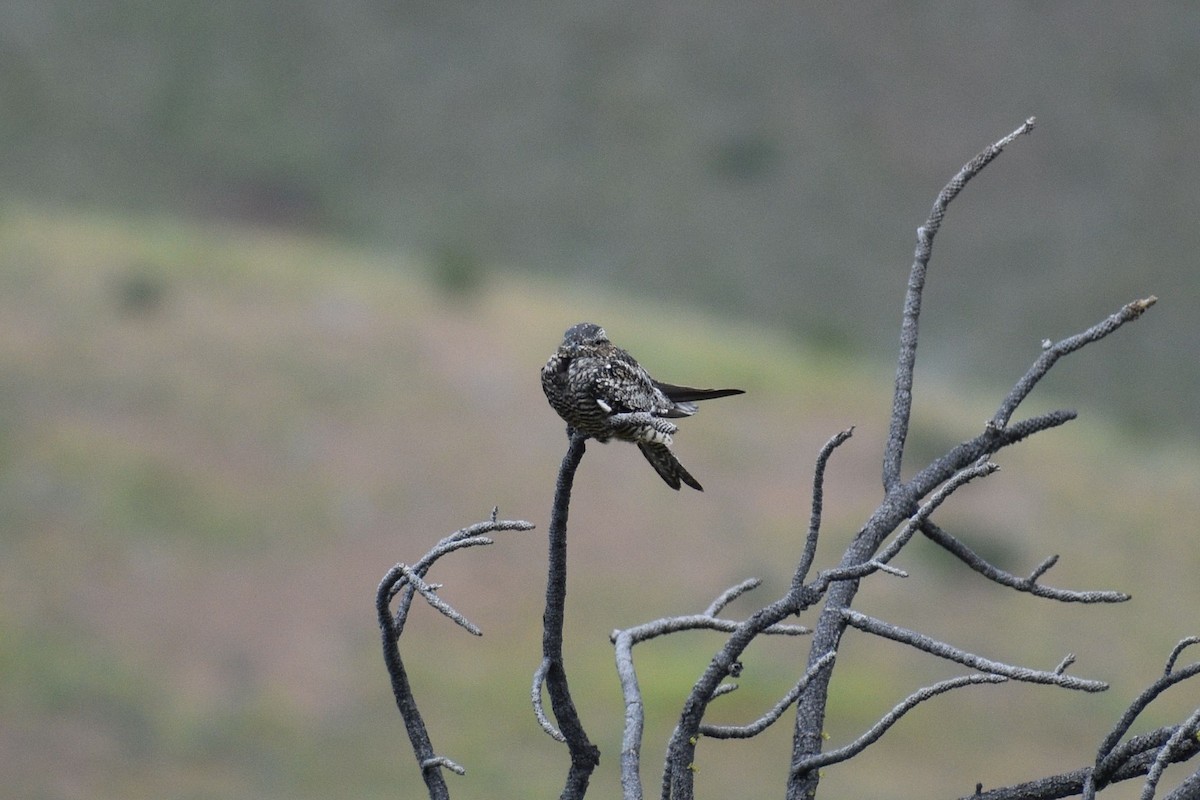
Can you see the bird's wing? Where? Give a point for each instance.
(619, 383)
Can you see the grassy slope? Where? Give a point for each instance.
(213, 442)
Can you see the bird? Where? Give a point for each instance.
(602, 392)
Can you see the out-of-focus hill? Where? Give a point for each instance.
(761, 158)
(215, 440)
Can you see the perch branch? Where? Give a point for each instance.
(584, 755)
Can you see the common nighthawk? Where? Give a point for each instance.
(602, 392)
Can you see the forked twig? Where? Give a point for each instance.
(405, 582)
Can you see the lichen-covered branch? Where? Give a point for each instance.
(902, 398)
(584, 755)
(776, 711)
(818, 498)
(908, 506)
(891, 718)
(903, 499)
(1053, 352)
(1029, 584)
(1144, 755)
(406, 582)
(941, 649)
(624, 641)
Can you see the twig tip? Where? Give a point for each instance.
(442, 761)
(1138, 307)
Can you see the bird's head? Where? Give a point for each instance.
(584, 333)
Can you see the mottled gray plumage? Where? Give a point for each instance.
(602, 392)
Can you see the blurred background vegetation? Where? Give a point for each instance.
(276, 280)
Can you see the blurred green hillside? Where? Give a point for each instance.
(761, 159)
(215, 439)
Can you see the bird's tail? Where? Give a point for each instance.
(667, 466)
(689, 394)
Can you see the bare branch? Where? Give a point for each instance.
(951, 653)
(624, 641)
(406, 581)
(1108, 759)
(1177, 650)
(479, 529)
(472, 536)
(768, 719)
(584, 755)
(1133, 759)
(426, 591)
(631, 741)
(1021, 390)
(961, 478)
(539, 710)
(442, 761)
(1188, 790)
(879, 562)
(976, 562)
(902, 401)
(891, 718)
(818, 494)
(902, 499)
(724, 689)
(696, 622)
(851, 573)
(677, 776)
(729, 595)
(1042, 568)
(1166, 754)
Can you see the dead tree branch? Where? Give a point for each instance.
(584, 755)
(406, 582)
(942, 650)
(902, 497)
(891, 718)
(818, 500)
(902, 399)
(1030, 584)
(908, 506)
(1116, 761)
(624, 641)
